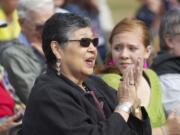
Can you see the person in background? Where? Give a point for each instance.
(10, 113)
(105, 18)
(167, 63)
(150, 13)
(89, 8)
(25, 63)
(32, 19)
(130, 44)
(68, 99)
(58, 4)
(173, 4)
(8, 14)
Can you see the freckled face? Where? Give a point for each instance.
(126, 48)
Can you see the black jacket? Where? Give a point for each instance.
(57, 106)
(166, 63)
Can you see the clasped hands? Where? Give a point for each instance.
(127, 92)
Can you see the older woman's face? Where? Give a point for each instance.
(126, 49)
(77, 60)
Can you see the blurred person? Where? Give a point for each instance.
(89, 8)
(174, 4)
(22, 67)
(10, 115)
(68, 99)
(32, 19)
(150, 12)
(25, 63)
(58, 6)
(105, 17)
(130, 45)
(8, 14)
(167, 62)
(106, 20)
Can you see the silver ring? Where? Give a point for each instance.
(131, 83)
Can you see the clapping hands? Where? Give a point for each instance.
(128, 90)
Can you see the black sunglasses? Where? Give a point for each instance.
(85, 42)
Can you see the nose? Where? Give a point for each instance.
(92, 48)
(124, 54)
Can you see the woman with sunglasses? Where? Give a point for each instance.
(68, 99)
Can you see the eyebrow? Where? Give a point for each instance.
(127, 44)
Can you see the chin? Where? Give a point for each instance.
(89, 72)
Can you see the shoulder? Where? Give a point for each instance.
(52, 85)
(153, 80)
(170, 76)
(95, 80)
(103, 78)
(12, 49)
(18, 52)
(170, 80)
(150, 74)
(112, 79)
(46, 89)
(101, 86)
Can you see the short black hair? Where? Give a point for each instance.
(58, 28)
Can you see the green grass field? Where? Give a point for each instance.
(123, 8)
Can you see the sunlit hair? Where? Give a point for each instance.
(132, 25)
(27, 6)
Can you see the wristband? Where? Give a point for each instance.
(126, 107)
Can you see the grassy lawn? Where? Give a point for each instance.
(123, 8)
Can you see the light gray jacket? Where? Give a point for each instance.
(22, 66)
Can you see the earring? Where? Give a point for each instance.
(58, 67)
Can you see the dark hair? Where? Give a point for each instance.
(58, 28)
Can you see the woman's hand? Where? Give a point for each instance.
(10, 122)
(127, 93)
(173, 124)
(127, 90)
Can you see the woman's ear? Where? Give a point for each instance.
(169, 41)
(56, 49)
(147, 51)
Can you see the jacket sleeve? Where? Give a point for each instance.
(22, 72)
(170, 92)
(142, 127)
